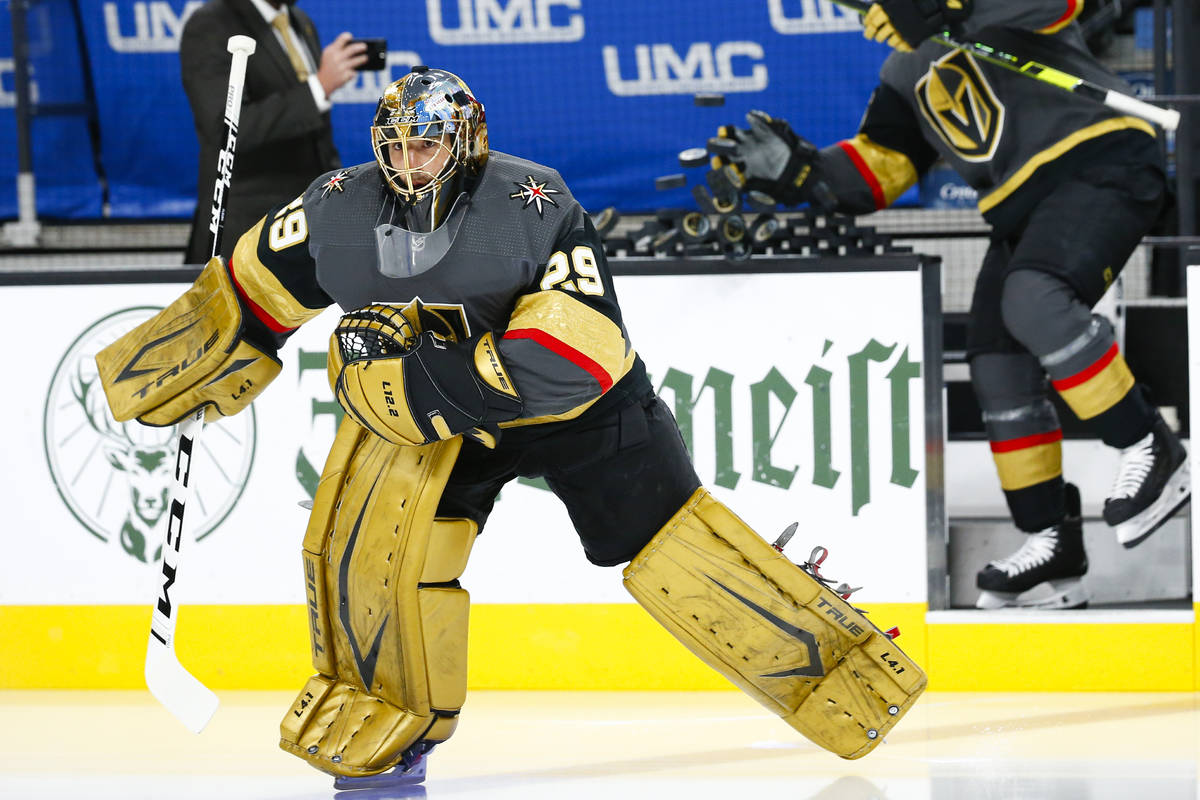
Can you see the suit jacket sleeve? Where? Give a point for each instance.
(288, 112)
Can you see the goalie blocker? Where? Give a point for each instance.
(188, 356)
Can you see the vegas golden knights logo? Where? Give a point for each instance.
(446, 320)
(960, 105)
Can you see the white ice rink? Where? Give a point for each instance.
(620, 746)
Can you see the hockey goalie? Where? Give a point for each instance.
(482, 340)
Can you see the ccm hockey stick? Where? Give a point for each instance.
(178, 690)
(1165, 118)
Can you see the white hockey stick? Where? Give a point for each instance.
(178, 690)
(1165, 118)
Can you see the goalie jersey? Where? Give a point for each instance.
(517, 256)
(1007, 135)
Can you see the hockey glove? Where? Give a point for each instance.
(418, 389)
(904, 24)
(772, 160)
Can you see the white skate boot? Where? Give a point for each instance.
(1153, 482)
(1053, 556)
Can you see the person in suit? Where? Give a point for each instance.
(284, 134)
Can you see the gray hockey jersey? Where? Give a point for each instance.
(1007, 135)
(517, 255)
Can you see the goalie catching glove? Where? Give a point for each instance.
(771, 159)
(414, 387)
(190, 355)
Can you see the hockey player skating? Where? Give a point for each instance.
(1069, 187)
(482, 340)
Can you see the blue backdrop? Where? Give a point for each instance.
(599, 89)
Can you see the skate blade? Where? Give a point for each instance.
(396, 777)
(1175, 496)
(1066, 594)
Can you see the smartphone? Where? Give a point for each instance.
(376, 54)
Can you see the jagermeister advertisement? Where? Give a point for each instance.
(800, 396)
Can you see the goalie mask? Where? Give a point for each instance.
(428, 130)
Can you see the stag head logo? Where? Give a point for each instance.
(116, 477)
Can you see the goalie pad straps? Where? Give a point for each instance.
(772, 629)
(188, 355)
(388, 620)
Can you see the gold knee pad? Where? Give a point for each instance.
(772, 629)
(388, 621)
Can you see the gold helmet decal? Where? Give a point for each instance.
(959, 104)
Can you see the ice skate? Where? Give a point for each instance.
(1153, 482)
(1054, 556)
(409, 772)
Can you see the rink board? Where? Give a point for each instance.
(749, 356)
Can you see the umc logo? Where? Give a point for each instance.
(505, 21)
(811, 16)
(115, 477)
(8, 74)
(659, 69)
(156, 26)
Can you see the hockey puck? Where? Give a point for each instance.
(736, 251)
(721, 146)
(764, 229)
(670, 181)
(703, 198)
(708, 99)
(693, 157)
(760, 201)
(606, 220)
(732, 228)
(696, 226)
(726, 202)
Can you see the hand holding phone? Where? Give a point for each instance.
(376, 54)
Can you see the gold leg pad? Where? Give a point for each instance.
(342, 730)
(773, 630)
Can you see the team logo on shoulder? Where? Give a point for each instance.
(959, 104)
(534, 193)
(334, 184)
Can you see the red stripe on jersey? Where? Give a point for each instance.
(258, 310)
(565, 350)
(867, 174)
(1009, 445)
(1084, 375)
(1072, 9)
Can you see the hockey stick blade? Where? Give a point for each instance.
(189, 700)
(177, 689)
